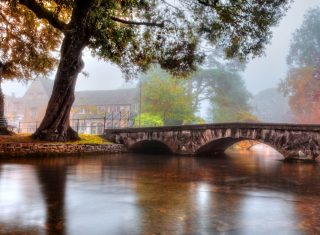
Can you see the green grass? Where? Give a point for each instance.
(90, 139)
(26, 138)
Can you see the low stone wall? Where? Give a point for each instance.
(23, 149)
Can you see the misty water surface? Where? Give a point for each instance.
(158, 194)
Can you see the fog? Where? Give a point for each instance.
(261, 73)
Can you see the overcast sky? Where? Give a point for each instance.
(261, 73)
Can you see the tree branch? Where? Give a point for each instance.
(42, 13)
(156, 24)
(208, 4)
(171, 5)
(5, 18)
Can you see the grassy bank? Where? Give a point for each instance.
(26, 138)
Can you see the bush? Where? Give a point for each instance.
(147, 119)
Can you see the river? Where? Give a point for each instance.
(247, 193)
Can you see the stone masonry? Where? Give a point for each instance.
(291, 140)
(21, 149)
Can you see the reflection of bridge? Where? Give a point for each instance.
(291, 140)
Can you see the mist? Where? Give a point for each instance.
(260, 74)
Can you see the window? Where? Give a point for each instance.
(100, 128)
(82, 110)
(124, 108)
(33, 113)
(101, 109)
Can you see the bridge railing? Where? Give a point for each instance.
(228, 125)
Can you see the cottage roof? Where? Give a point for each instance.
(106, 97)
(12, 98)
(47, 85)
(97, 97)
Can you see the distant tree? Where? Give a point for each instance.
(302, 84)
(305, 43)
(166, 97)
(133, 34)
(304, 94)
(24, 52)
(270, 105)
(217, 60)
(226, 92)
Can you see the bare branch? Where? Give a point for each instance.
(208, 4)
(170, 5)
(156, 24)
(42, 13)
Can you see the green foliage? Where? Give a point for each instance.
(147, 120)
(227, 114)
(166, 97)
(134, 34)
(176, 101)
(194, 120)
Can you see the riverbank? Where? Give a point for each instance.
(26, 138)
(24, 145)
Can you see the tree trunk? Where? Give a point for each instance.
(55, 125)
(2, 119)
(3, 122)
(52, 181)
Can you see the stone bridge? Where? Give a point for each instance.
(291, 140)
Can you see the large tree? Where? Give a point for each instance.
(24, 51)
(135, 33)
(226, 93)
(166, 97)
(302, 84)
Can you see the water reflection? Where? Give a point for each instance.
(52, 181)
(101, 198)
(21, 205)
(145, 194)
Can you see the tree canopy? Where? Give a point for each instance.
(27, 44)
(304, 94)
(135, 33)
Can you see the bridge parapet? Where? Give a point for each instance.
(291, 140)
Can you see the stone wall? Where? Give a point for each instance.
(22, 149)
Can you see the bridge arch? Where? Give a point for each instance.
(150, 146)
(222, 144)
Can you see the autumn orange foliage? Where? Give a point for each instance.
(25, 49)
(303, 90)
